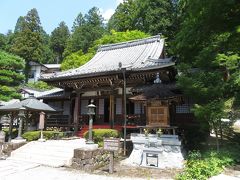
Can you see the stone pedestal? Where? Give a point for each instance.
(90, 147)
(90, 159)
(11, 146)
(152, 151)
(16, 141)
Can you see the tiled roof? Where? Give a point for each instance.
(56, 92)
(59, 94)
(52, 66)
(155, 91)
(135, 55)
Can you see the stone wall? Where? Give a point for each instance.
(9, 147)
(89, 160)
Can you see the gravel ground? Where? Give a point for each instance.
(139, 172)
(48, 173)
(12, 170)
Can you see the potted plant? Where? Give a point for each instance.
(159, 132)
(146, 132)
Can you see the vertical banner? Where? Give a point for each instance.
(41, 120)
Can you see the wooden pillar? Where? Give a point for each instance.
(71, 111)
(76, 112)
(111, 111)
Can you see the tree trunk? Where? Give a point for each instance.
(221, 133)
(27, 71)
(217, 140)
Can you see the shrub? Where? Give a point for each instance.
(14, 133)
(201, 167)
(194, 136)
(39, 85)
(35, 135)
(99, 134)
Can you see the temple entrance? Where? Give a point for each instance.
(106, 110)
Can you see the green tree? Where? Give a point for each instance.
(59, 38)
(117, 37)
(78, 22)
(28, 43)
(79, 58)
(86, 33)
(125, 16)
(150, 16)
(48, 55)
(75, 60)
(208, 47)
(40, 85)
(3, 41)
(10, 77)
(9, 40)
(19, 25)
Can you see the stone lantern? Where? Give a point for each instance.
(21, 115)
(91, 111)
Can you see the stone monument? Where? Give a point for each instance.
(154, 151)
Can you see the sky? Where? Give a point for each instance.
(51, 12)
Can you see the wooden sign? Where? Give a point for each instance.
(111, 144)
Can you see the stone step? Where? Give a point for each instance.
(43, 153)
(59, 143)
(44, 148)
(52, 161)
(42, 161)
(8, 167)
(49, 146)
(54, 153)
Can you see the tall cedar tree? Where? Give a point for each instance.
(79, 21)
(48, 54)
(10, 78)
(86, 31)
(59, 38)
(28, 40)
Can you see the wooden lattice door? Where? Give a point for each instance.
(158, 115)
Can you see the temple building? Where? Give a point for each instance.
(140, 68)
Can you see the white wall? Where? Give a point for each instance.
(37, 73)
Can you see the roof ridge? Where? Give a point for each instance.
(129, 43)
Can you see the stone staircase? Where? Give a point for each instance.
(54, 153)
